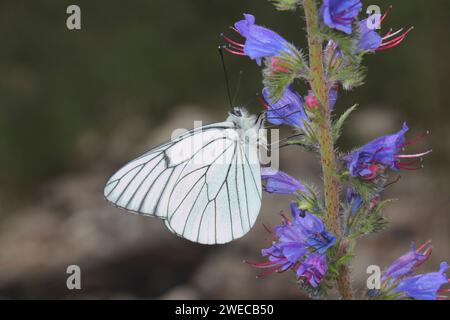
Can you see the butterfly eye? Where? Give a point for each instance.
(237, 112)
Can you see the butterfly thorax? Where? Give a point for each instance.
(243, 120)
(247, 126)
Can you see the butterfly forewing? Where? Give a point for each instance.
(205, 184)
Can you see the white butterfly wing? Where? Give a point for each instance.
(206, 184)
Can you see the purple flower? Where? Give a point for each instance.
(424, 286)
(405, 265)
(280, 182)
(333, 95)
(305, 229)
(354, 200)
(370, 40)
(299, 244)
(313, 269)
(260, 42)
(340, 14)
(380, 153)
(277, 261)
(287, 110)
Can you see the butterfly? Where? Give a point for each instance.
(205, 184)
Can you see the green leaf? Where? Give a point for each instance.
(280, 71)
(337, 125)
(368, 189)
(344, 67)
(371, 223)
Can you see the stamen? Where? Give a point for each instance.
(234, 29)
(394, 42)
(268, 272)
(409, 168)
(416, 139)
(387, 34)
(232, 41)
(390, 34)
(411, 163)
(444, 291)
(409, 156)
(428, 251)
(233, 47)
(386, 14)
(234, 52)
(266, 264)
(423, 246)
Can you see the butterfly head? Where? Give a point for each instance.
(243, 120)
(238, 112)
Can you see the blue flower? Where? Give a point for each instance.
(280, 182)
(424, 286)
(383, 152)
(277, 261)
(287, 110)
(308, 228)
(299, 244)
(354, 200)
(333, 95)
(313, 269)
(260, 42)
(369, 39)
(340, 14)
(405, 265)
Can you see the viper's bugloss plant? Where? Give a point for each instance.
(317, 242)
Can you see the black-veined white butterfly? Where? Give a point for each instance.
(204, 184)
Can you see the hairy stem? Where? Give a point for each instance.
(320, 87)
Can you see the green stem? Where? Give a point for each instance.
(319, 85)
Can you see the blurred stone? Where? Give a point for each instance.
(371, 122)
(181, 293)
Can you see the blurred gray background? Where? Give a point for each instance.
(76, 105)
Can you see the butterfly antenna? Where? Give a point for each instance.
(227, 82)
